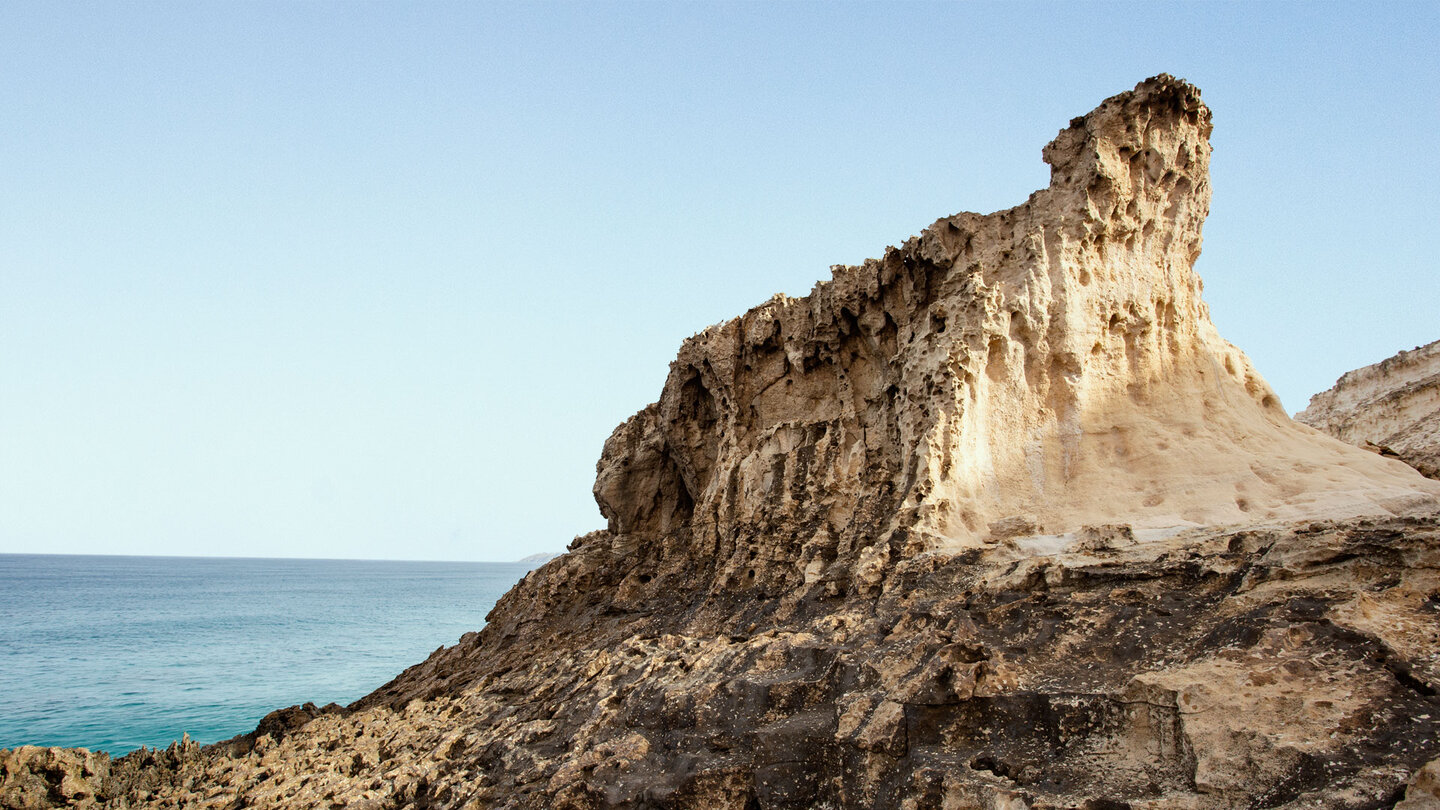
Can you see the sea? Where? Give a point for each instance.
(112, 653)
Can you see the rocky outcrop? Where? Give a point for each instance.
(1034, 370)
(1290, 667)
(996, 521)
(32, 778)
(1423, 792)
(1392, 408)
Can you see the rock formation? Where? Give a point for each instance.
(1034, 370)
(997, 521)
(1392, 408)
(34, 777)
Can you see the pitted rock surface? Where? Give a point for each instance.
(1045, 367)
(1392, 408)
(997, 521)
(36, 777)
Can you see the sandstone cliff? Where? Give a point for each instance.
(1034, 370)
(1392, 407)
(995, 521)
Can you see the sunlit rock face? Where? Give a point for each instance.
(996, 521)
(1027, 372)
(1392, 408)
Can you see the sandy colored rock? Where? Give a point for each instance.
(1423, 792)
(1034, 370)
(32, 777)
(996, 521)
(1392, 408)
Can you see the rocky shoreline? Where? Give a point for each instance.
(996, 521)
(1283, 667)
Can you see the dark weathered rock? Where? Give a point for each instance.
(995, 522)
(1264, 667)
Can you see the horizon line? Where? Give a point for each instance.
(244, 557)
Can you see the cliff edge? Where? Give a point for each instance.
(995, 521)
(1027, 372)
(1391, 407)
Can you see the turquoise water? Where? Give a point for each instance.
(113, 653)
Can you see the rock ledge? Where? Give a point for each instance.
(995, 521)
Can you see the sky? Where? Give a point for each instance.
(377, 279)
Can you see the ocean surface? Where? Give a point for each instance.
(113, 653)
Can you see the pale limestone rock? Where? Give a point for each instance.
(1392, 408)
(1030, 371)
(927, 539)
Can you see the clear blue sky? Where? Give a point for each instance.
(377, 279)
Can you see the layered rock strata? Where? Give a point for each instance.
(996, 521)
(1392, 408)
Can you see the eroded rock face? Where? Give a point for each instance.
(994, 522)
(32, 777)
(1045, 367)
(1392, 407)
(1287, 667)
